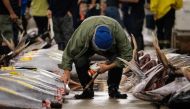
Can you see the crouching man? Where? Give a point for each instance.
(106, 37)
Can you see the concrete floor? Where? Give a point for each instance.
(102, 101)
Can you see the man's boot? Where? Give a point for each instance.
(87, 94)
(61, 46)
(114, 93)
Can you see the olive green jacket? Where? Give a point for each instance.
(81, 39)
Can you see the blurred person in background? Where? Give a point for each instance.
(164, 15)
(133, 18)
(150, 22)
(16, 5)
(24, 15)
(93, 7)
(83, 8)
(65, 16)
(7, 17)
(110, 8)
(39, 9)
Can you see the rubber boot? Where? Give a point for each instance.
(87, 94)
(114, 93)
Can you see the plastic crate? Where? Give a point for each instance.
(181, 41)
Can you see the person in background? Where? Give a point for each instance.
(150, 22)
(82, 10)
(110, 8)
(24, 15)
(7, 16)
(63, 13)
(164, 15)
(39, 10)
(133, 18)
(104, 36)
(16, 5)
(93, 7)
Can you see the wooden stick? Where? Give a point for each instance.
(91, 81)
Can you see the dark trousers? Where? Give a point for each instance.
(24, 23)
(15, 33)
(134, 24)
(150, 22)
(63, 30)
(82, 65)
(41, 23)
(74, 9)
(164, 29)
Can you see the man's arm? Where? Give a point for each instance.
(75, 45)
(66, 76)
(8, 6)
(123, 45)
(105, 67)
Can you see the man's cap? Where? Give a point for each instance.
(102, 39)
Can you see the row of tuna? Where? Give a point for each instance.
(33, 78)
(30, 79)
(163, 79)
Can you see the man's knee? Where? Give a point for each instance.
(81, 62)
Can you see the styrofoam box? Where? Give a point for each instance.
(182, 21)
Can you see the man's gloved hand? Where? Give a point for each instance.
(66, 76)
(103, 67)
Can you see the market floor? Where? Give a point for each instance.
(102, 101)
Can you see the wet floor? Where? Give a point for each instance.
(101, 100)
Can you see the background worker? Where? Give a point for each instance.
(104, 36)
(110, 8)
(164, 15)
(39, 10)
(65, 16)
(133, 18)
(7, 17)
